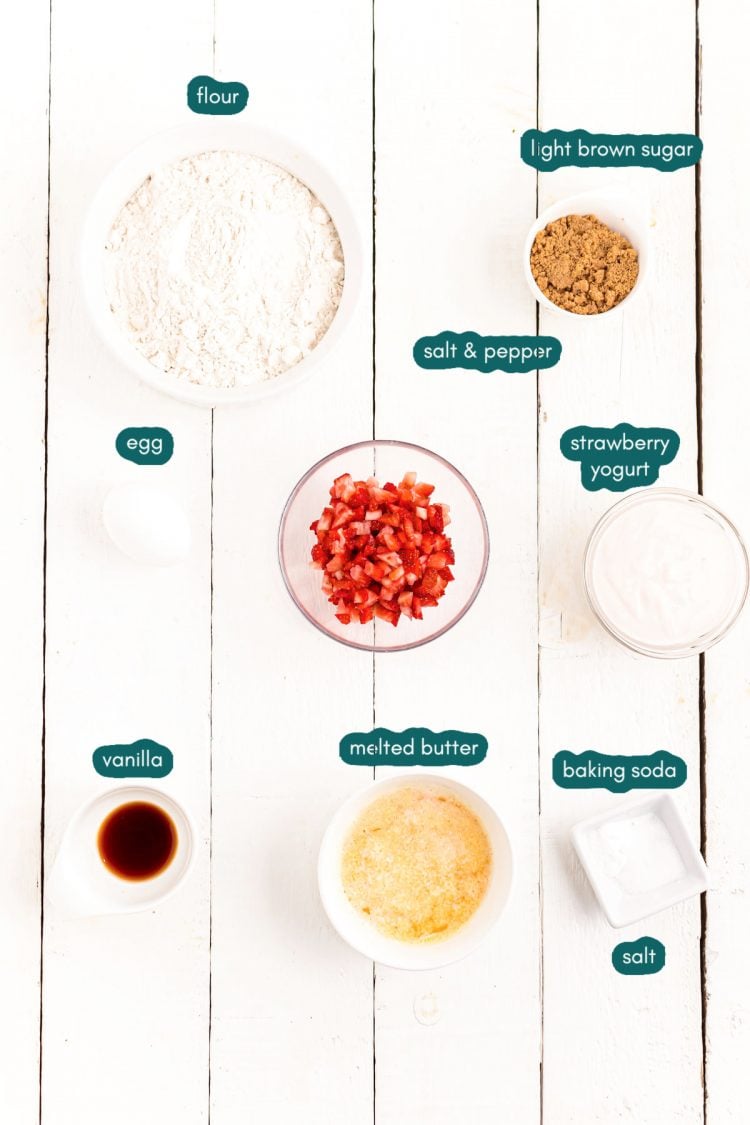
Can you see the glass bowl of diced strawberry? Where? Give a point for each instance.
(383, 545)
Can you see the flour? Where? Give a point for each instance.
(224, 269)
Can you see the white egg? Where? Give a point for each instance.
(147, 524)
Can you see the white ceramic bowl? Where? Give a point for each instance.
(173, 145)
(361, 934)
(80, 884)
(623, 906)
(622, 212)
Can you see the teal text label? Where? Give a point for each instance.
(639, 958)
(142, 758)
(617, 772)
(208, 95)
(558, 148)
(486, 353)
(416, 746)
(145, 445)
(620, 457)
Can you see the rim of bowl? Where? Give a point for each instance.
(106, 201)
(344, 813)
(375, 442)
(671, 653)
(156, 795)
(569, 203)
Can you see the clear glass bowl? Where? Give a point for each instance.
(386, 461)
(735, 558)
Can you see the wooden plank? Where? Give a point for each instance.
(726, 288)
(455, 89)
(291, 1004)
(125, 1016)
(23, 244)
(615, 1046)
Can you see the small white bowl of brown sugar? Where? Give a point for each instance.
(587, 255)
(415, 870)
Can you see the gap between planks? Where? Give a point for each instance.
(45, 477)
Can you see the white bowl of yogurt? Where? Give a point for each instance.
(666, 573)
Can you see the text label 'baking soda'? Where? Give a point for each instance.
(208, 95)
(639, 958)
(145, 445)
(556, 148)
(142, 758)
(618, 773)
(619, 458)
(486, 353)
(416, 746)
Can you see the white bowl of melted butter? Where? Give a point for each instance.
(415, 870)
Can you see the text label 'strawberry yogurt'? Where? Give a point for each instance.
(666, 573)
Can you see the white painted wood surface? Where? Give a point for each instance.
(292, 1006)
(23, 327)
(235, 1001)
(125, 999)
(726, 402)
(615, 1047)
(453, 202)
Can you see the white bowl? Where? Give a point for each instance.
(361, 934)
(623, 906)
(173, 145)
(622, 212)
(80, 884)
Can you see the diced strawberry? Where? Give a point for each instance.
(437, 560)
(343, 487)
(336, 564)
(390, 559)
(431, 582)
(382, 551)
(361, 497)
(342, 514)
(386, 614)
(380, 496)
(325, 520)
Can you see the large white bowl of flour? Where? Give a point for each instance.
(220, 263)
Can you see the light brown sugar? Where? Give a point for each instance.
(583, 266)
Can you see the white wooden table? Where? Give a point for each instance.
(235, 1001)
